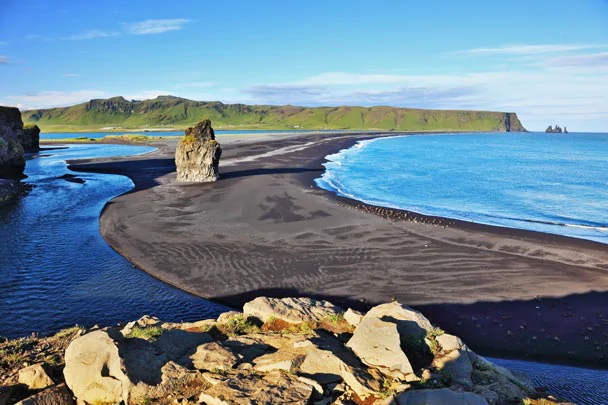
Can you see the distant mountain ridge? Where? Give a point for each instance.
(168, 112)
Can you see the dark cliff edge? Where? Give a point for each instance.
(12, 154)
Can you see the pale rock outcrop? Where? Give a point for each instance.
(213, 356)
(35, 377)
(247, 348)
(202, 325)
(275, 387)
(292, 310)
(94, 370)
(353, 317)
(410, 323)
(176, 381)
(449, 342)
(197, 156)
(325, 367)
(378, 344)
(294, 365)
(225, 317)
(177, 344)
(143, 322)
(442, 396)
(55, 395)
(12, 158)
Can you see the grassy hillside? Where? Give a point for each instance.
(170, 112)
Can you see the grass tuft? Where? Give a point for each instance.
(150, 333)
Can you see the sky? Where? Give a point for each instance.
(545, 60)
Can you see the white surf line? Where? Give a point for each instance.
(280, 151)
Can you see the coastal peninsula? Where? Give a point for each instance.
(168, 113)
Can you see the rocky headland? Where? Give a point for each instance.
(171, 113)
(197, 156)
(13, 137)
(290, 350)
(12, 159)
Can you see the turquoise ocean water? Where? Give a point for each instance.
(548, 183)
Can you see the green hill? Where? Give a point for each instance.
(170, 112)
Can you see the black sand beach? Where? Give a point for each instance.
(265, 229)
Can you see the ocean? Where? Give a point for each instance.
(555, 183)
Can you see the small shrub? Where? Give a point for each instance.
(335, 318)
(433, 333)
(238, 325)
(145, 333)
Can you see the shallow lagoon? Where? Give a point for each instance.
(56, 269)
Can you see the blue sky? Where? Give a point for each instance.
(546, 60)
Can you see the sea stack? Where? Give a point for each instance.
(197, 156)
(12, 160)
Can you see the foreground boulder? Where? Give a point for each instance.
(197, 156)
(35, 377)
(30, 138)
(12, 160)
(275, 387)
(290, 351)
(55, 395)
(94, 370)
(377, 343)
(292, 310)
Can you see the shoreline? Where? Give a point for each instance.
(431, 228)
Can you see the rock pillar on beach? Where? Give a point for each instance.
(197, 156)
(12, 160)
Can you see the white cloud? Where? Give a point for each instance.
(540, 96)
(91, 34)
(156, 26)
(3, 60)
(595, 60)
(47, 99)
(529, 49)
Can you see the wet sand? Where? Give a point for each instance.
(265, 229)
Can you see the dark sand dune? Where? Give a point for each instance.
(265, 229)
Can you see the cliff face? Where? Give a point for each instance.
(12, 160)
(182, 113)
(512, 123)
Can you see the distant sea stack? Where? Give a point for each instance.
(12, 159)
(174, 113)
(197, 156)
(556, 130)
